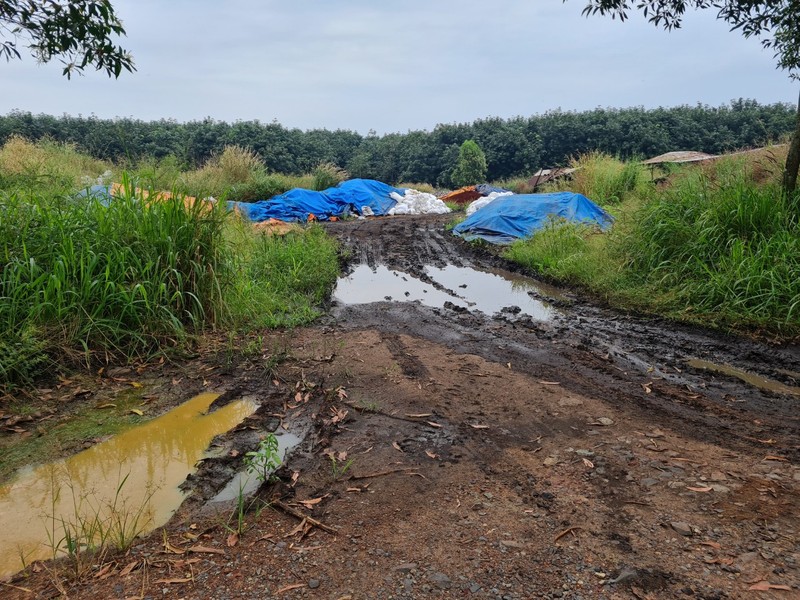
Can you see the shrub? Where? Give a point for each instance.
(327, 175)
(471, 165)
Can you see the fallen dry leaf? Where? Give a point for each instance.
(778, 458)
(294, 586)
(312, 501)
(433, 424)
(206, 550)
(476, 426)
(431, 454)
(588, 463)
(136, 411)
(765, 586)
(174, 580)
(550, 382)
(170, 549)
(105, 570)
(702, 490)
(396, 446)
(107, 405)
(714, 545)
(419, 415)
(232, 540)
(129, 568)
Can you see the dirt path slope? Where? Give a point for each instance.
(451, 454)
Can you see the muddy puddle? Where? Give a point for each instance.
(762, 383)
(132, 478)
(488, 291)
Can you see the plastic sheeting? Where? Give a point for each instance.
(481, 202)
(413, 202)
(520, 215)
(360, 196)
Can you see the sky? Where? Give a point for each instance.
(397, 65)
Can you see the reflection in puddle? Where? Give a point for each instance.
(486, 291)
(152, 459)
(245, 482)
(754, 380)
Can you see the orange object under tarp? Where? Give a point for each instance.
(117, 189)
(276, 227)
(462, 195)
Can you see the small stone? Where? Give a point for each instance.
(406, 567)
(550, 461)
(721, 489)
(440, 580)
(313, 583)
(682, 527)
(718, 476)
(649, 482)
(474, 588)
(605, 421)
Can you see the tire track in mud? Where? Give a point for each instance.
(632, 363)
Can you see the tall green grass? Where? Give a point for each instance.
(86, 280)
(718, 245)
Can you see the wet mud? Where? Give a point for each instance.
(472, 447)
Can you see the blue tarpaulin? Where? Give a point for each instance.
(297, 204)
(518, 216)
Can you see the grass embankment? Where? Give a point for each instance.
(716, 244)
(86, 282)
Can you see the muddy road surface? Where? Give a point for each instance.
(469, 432)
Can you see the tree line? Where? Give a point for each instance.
(514, 147)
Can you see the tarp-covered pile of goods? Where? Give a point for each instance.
(472, 192)
(362, 197)
(516, 216)
(107, 193)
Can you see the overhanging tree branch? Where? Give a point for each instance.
(80, 33)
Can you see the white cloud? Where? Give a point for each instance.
(398, 65)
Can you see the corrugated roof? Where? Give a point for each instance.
(681, 156)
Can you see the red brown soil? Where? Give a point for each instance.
(579, 458)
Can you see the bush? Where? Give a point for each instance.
(327, 175)
(604, 179)
(471, 165)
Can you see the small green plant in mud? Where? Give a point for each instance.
(263, 461)
(340, 466)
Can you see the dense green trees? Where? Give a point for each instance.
(513, 147)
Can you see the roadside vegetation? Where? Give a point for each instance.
(86, 281)
(716, 244)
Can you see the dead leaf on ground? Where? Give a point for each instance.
(136, 411)
(714, 545)
(702, 490)
(107, 405)
(206, 550)
(233, 539)
(431, 454)
(129, 568)
(550, 382)
(174, 580)
(434, 424)
(477, 426)
(287, 588)
(647, 387)
(170, 549)
(312, 501)
(765, 586)
(419, 415)
(777, 458)
(396, 446)
(105, 570)
(588, 463)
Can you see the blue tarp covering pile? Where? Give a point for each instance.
(350, 196)
(101, 193)
(518, 216)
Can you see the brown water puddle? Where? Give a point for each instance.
(486, 291)
(754, 380)
(152, 459)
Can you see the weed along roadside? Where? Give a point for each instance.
(458, 428)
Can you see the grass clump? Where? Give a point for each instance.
(88, 280)
(327, 175)
(718, 245)
(603, 179)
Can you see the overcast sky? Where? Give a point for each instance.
(397, 65)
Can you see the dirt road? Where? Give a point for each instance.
(448, 453)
